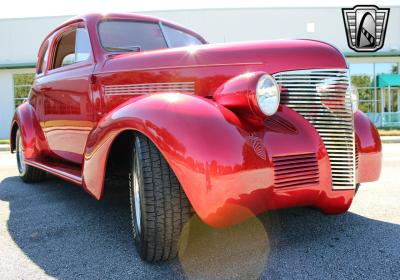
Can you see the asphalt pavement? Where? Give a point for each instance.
(54, 229)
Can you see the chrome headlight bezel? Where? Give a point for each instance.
(267, 95)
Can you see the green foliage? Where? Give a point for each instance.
(22, 86)
(361, 81)
(363, 84)
(23, 79)
(395, 69)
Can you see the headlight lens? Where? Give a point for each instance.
(267, 95)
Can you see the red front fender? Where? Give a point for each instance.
(368, 149)
(224, 165)
(183, 128)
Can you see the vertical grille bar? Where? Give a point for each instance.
(321, 97)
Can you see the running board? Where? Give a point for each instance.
(67, 172)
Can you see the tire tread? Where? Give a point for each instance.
(167, 208)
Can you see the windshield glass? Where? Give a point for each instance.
(128, 35)
(178, 38)
(125, 34)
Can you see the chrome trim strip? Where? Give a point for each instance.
(67, 176)
(149, 88)
(320, 96)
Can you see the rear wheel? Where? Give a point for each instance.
(159, 206)
(27, 173)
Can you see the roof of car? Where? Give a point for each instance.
(99, 16)
(96, 17)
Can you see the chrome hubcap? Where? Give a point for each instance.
(20, 156)
(136, 193)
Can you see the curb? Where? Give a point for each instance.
(4, 147)
(390, 139)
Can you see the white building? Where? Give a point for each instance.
(21, 38)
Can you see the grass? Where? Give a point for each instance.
(389, 132)
(4, 141)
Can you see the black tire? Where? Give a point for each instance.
(163, 206)
(27, 173)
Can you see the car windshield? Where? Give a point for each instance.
(128, 35)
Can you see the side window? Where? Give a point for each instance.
(68, 59)
(64, 48)
(178, 38)
(72, 47)
(41, 67)
(83, 49)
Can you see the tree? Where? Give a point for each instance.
(395, 69)
(363, 83)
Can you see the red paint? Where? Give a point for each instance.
(369, 148)
(217, 143)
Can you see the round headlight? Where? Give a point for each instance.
(267, 95)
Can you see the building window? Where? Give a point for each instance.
(378, 86)
(22, 86)
(386, 68)
(362, 77)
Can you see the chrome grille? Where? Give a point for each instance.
(320, 96)
(295, 170)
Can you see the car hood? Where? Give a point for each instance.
(277, 55)
(212, 64)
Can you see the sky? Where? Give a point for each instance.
(38, 8)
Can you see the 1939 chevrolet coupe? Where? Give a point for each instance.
(223, 130)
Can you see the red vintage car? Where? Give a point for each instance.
(227, 131)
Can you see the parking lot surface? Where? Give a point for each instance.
(55, 230)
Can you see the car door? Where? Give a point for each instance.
(68, 115)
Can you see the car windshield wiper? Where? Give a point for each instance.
(124, 49)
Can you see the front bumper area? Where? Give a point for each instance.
(285, 165)
(368, 149)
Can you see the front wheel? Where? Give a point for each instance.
(27, 173)
(159, 206)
